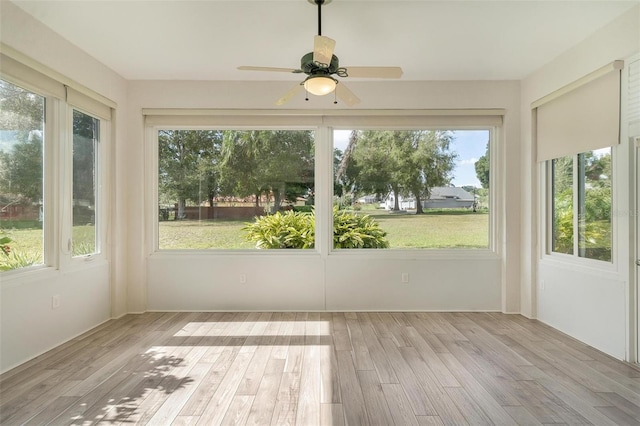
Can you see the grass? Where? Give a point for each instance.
(445, 229)
(28, 241)
(193, 234)
(434, 229)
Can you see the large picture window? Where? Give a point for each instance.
(411, 189)
(21, 177)
(327, 183)
(581, 200)
(235, 189)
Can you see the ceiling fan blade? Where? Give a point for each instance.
(374, 72)
(323, 50)
(248, 68)
(290, 94)
(346, 95)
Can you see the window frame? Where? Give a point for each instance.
(163, 119)
(547, 217)
(57, 173)
(101, 208)
(447, 252)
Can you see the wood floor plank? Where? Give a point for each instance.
(309, 368)
(171, 408)
(352, 398)
(522, 416)
(444, 406)
(238, 410)
(632, 408)
(308, 410)
(265, 400)
(420, 401)
(361, 356)
(222, 398)
(374, 399)
(470, 383)
(429, 420)
(440, 371)
(572, 394)
(341, 333)
(618, 416)
(331, 415)
(185, 421)
(399, 405)
(482, 369)
(378, 355)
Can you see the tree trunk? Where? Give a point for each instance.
(419, 209)
(276, 200)
(257, 195)
(181, 214)
(396, 200)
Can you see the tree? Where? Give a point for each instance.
(187, 166)
(431, 163)
(482, 168)
(345, 179)
(279, 163)
(404, 163)
(21, 169)
(21, 127)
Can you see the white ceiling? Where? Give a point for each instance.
(430, 40)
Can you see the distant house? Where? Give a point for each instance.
(449, 197)
(442, 197)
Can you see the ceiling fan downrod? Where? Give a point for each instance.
(319, 3)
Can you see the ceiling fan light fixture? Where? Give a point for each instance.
(320, 85)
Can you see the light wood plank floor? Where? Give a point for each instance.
(322, 369)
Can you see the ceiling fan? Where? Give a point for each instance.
(322, 65)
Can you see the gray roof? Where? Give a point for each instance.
(444, 192)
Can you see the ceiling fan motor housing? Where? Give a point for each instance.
(311, 68)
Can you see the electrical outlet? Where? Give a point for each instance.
(55, 301)
(541, 284)
(243, 278)
(404, 278)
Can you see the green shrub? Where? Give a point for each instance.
(290, 229)
(351, 230)
(294, 229)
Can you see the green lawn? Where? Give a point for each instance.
(436, 229)
(439, 229)
(193, 234)
(28, 241)
(452, 229)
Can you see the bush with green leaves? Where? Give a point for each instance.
(352, 230)
(296, 230)
(290, 229)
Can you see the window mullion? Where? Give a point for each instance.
(576, 208)
(580, 207)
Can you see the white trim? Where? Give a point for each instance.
(43, 69)
(613, 66)
(324, 113)
(324, 200)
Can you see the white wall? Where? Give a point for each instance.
(132, 280)
(90, 294)
(588, 303)
(318, 281)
